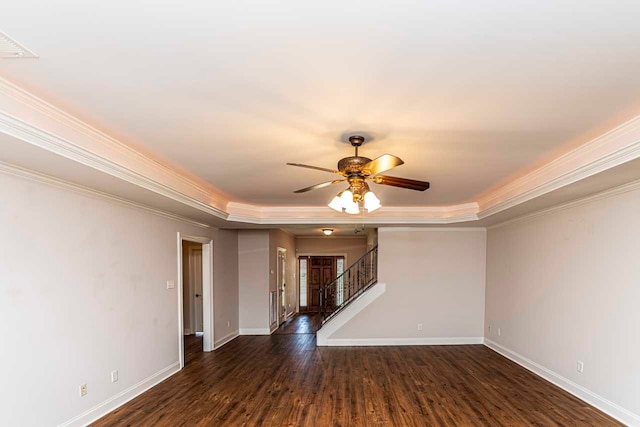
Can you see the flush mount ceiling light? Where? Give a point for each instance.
(327, 231)
(356, 170)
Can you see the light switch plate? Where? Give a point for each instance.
(171, 284)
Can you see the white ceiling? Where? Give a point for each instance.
(467, 93)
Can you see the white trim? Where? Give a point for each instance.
(121, 398)
(33, 135)
(616, 411)
(621, 189)
(208, 318)
(279, 291)
(40, 178)
(308, 255)
(255, 331)
(34, 121)
(360, 342)
(611, 149)
(333, 236)
(349, 312)
(226, 339)
(412, 229)
(90, 136)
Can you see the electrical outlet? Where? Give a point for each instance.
(489, 329)
(114, 376)
(580, 366)
(228, 324)
(171, 284)
(499, 332)
(419, 326)
(83, 390)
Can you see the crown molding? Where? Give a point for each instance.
(427, 229)
(619, 145)
(23, 173)
(34, 121)
(39, 123)
(620, 189)
(267, 215)
(332, 237)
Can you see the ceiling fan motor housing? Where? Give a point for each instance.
(352, 165)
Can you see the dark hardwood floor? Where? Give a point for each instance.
(285, 380)
(302, 323)
(192, 348)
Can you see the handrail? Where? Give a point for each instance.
(339, 293)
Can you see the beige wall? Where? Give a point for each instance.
(565, 286)
(84, 280)
(225, 285)
(282, 239)
(253, 276)
(432, 277)
(354, 247)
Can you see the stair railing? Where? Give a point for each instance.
(356, 279)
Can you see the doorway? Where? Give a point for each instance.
(192, 304)
(281, 283)
(316, 271)
(195, 297)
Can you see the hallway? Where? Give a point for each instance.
(301, 323)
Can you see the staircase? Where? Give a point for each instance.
(348, 286)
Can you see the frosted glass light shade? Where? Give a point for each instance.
(336, 203)
(347, 198)
(352, 208)
(371, 202)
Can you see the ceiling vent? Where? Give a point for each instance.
(10, 48)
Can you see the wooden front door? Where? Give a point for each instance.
(322, 271)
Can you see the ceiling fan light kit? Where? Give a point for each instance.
(356, 170)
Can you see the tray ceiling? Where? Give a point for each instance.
(469, 95)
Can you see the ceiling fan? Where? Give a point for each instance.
(357, 170)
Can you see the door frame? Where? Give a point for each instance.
(207, 293)
(279, 281)
(194, 305)
(310, 254)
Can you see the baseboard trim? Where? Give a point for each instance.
(121, 398)
(582, 393)
(255, 331)
(227, 338)
(360, 342)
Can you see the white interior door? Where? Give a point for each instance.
(195, 261)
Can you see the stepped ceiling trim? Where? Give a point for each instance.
(92, 192)
(32, 120)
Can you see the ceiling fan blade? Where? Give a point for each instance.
(381, 164)
(315, 187)
(300, 165)
(411, 184)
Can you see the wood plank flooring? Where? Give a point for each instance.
(285, 380)
(303, 323)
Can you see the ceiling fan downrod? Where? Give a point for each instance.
(356, 141)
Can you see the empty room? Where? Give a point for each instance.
(304, 213)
